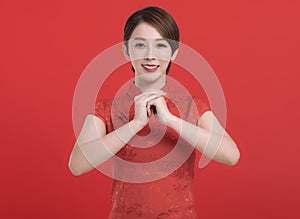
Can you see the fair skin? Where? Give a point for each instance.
(150, 56)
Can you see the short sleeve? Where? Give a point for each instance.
(100, 111)
(202, 107)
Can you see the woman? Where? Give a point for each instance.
(151, 39)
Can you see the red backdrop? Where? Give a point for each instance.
(253, 46)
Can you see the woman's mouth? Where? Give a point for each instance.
(150, 67)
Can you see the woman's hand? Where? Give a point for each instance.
(142, 108)
(161, 111)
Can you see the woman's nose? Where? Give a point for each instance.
(150, 54)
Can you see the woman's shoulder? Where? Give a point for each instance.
(107, 101)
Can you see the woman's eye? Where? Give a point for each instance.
(162, 45)
(139, 45)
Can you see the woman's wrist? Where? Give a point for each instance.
(173, 122)
(136, 126)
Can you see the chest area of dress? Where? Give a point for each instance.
(155, 140)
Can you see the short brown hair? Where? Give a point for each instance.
(161, 20)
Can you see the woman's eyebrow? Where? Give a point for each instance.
(160, 39)
(144, 39)
(139, 38)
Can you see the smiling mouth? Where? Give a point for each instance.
(150, 67)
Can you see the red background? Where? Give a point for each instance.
(253, 46)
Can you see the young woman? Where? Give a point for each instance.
(151, 39)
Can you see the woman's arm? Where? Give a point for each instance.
(93, 146)
(208, 136)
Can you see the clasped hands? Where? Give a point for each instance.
(151, 102)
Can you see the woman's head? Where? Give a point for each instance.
(161, 20)
(156, 18)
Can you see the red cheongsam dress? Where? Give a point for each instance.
(154, 172)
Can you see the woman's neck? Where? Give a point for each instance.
(144, 85)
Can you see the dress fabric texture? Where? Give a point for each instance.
(170, 195)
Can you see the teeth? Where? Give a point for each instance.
(150, 67)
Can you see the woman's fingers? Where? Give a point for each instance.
(142, 108)
(148, 110)
(144, 100)
(146, 97)
(150, 92)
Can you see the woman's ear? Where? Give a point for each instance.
(174, 54)
(125, 51)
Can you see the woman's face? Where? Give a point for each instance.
(148, 52)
